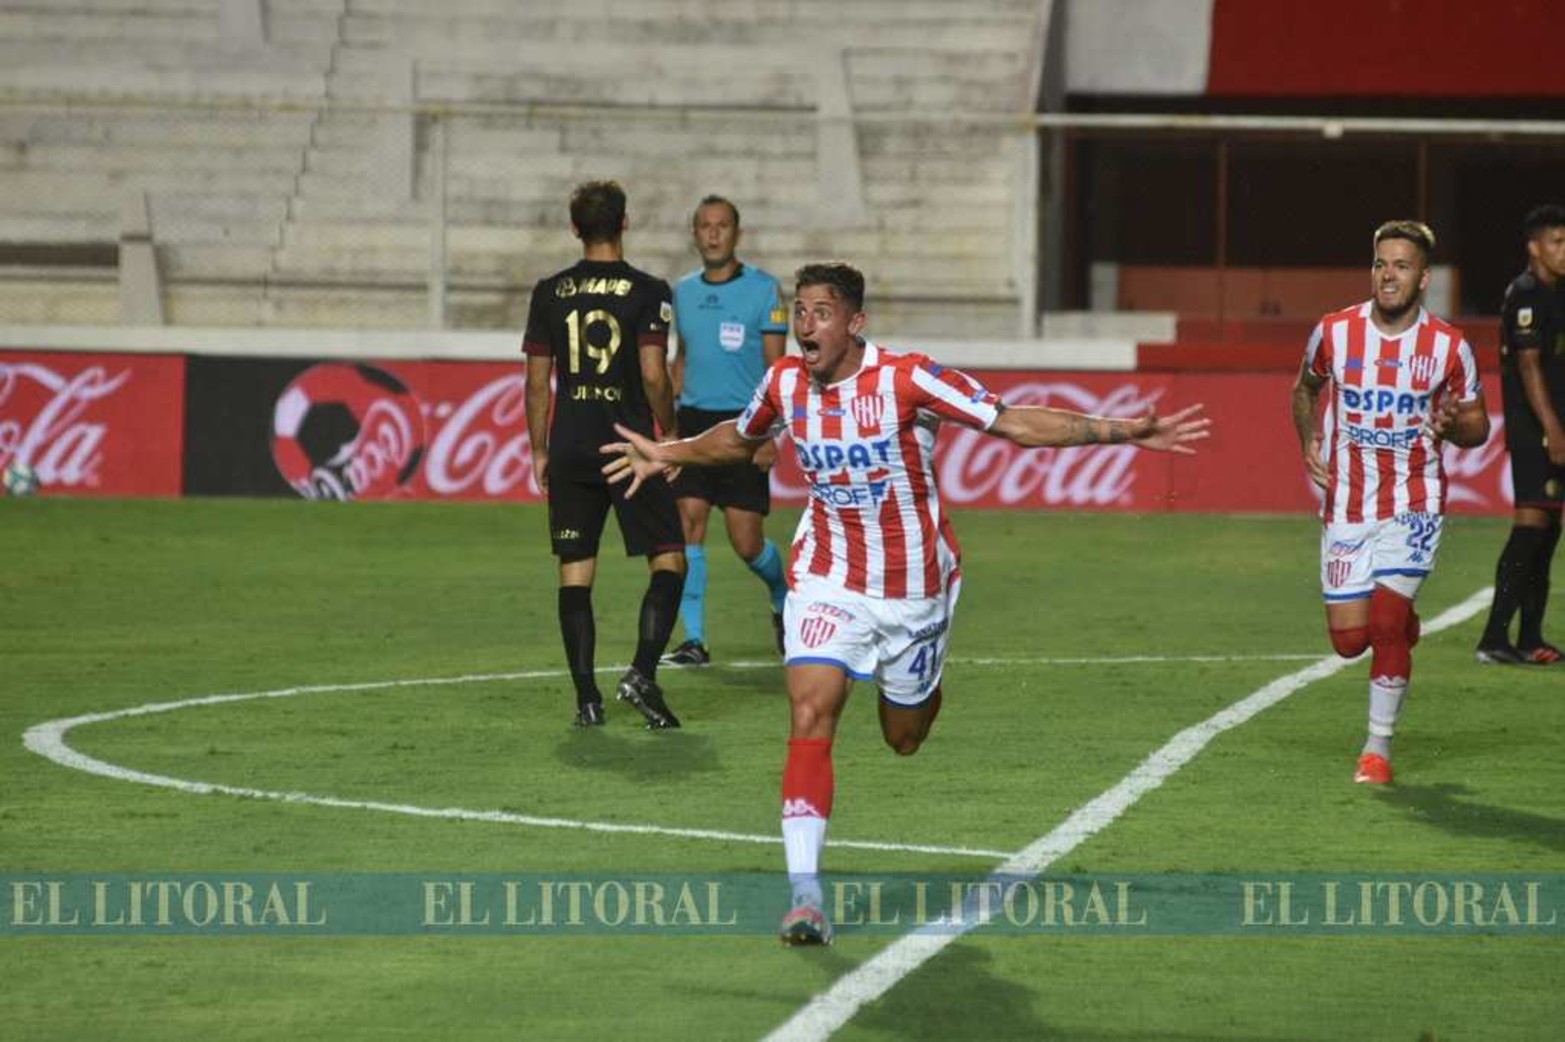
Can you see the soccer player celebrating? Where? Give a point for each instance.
(874, 573)
(603, 325)
(1404, 381)
(1532, 368)
(732, 324)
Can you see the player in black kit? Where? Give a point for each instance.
(601, 327)
(1532, 364)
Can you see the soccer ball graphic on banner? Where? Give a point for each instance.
(20, 479)
(343, 431)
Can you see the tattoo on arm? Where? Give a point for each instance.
(1083, 431)
(1118, 432)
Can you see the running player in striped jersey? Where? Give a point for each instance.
(875, 568)
(1403, 381)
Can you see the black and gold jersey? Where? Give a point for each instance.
(593, 319)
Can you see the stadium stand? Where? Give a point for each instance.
(298, 180)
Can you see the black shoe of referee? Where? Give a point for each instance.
(690, 653)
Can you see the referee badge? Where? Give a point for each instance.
(1524, 318)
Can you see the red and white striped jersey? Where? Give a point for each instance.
(1381, 457)
(875, 523)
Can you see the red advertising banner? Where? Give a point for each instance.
(94, 424)
(458, 430)
(112, 424)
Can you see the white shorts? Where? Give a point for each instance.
(899, 643)
(1398, 554)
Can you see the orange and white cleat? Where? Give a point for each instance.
(1373, 769)
(1542, 655)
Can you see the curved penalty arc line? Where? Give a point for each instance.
(48, 740)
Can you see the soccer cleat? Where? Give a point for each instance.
(1542, 655)
(1374, 769)
(779, 631)
(805, 926)
(690, 653)
(589, 714)
(647, 697)
(1499, 655)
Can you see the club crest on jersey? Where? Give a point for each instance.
(816, 631)
(1423, 369)
(1337, 573)
(1524, 318)
(868, 411)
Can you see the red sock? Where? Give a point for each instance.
(1389, 626)
(807, 783)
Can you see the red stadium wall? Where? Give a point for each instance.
(1373, 48)
(160, 425)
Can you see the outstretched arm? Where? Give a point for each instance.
(1306, 391)
(1034, 426)
(639, 457)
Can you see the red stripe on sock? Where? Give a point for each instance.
(808, 783)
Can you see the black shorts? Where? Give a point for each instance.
(743, 486)
(579, 504)
(1536, 481)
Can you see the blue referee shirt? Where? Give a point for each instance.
(720, 327)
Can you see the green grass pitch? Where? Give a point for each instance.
(107, 605)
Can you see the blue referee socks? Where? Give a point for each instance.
(768, 565)
(692, 602)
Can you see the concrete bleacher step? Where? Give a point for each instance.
(219, 157)
(214, 80)
(176, 129)
(71, 186)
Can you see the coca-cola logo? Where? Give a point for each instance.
(342, 431)
(482, 443)
(973, 467)
(43, 422)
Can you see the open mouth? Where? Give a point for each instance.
(810, 350)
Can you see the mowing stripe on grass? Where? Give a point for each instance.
(833, 1008)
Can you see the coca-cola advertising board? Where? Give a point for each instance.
(94, 424)
(457, 430)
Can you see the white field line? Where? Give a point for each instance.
(833, 1008)
(48, 740)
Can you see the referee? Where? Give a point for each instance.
(1532, 366)
(732, 325)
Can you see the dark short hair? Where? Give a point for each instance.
(1541, 218)
(1416, 232)
(598, 211)
(715, 200)
(846, 281)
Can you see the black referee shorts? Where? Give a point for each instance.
(579, 503)
(743, 486)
